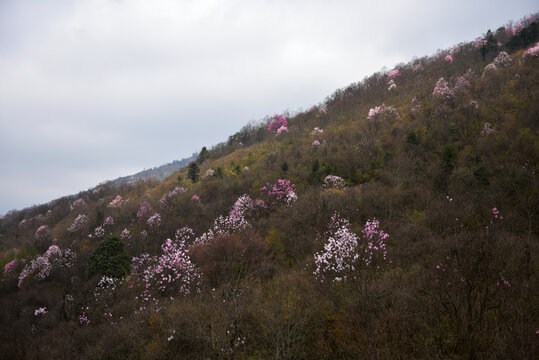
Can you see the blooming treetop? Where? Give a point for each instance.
(276, 123)
(532, 52)
(145, 209)
(317, 131)
(172, 271)
(41, 267)
(333, 182)
(383, 112)
(166, 200)
(118, 202)
(80, 222)
(344, 251)
(77, 203)
(40, 311)
(281, 192)
(393, 73)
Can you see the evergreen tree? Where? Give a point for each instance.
(203, 156)
(194, 172)
(109, 258)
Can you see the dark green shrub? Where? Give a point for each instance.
(109, 258)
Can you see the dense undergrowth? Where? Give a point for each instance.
(398, 219)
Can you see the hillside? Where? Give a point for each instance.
(397, 219)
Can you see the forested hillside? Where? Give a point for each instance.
(397, 219)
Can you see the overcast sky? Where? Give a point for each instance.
(95, 89)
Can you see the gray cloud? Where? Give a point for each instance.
(94, 89)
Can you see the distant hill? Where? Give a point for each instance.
(157, 173)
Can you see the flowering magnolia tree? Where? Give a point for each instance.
(317, 132)
(144, 210)
(41, 267)
(391, 85)
(167, 199)
(503, 60)
(77, 204)
(333, 182)
(277, 123)
(154, 221)
(281, 192)
(443, 91)
(393, 73)
(235, 221)
(344, 251)
(118, 202)
(532, 53)
(79, 224)
(172, 272)
(383, 113)
(10, 268)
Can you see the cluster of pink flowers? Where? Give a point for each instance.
(167, 198)
(391, 85)
(340, 251)
(281, 130)
(443, 90)
(109, 221)
(393, 73)
(278, 124)
(83, 319)
(375, 251)
(80, 223)
(154, 221)
(10, 267)
(118, 202)
(448, 59)
(77, 203)
(235, 221)
(281, 192)
(333, 182)
(224, 225)
(344, 250)
(479, 42)
(532, 52)
(41, 267)
(125, 235)
(462, 84)
(196, 199)
(144, 210)
(209, 174)
(496, 214)
(315, 144)
(42, 232)
(317, 131)
(99, 232)
(243, 205)
(503, 60)
(417, 67)
(105, 287)
(172, 271)
(40, 311)
(383, 112)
